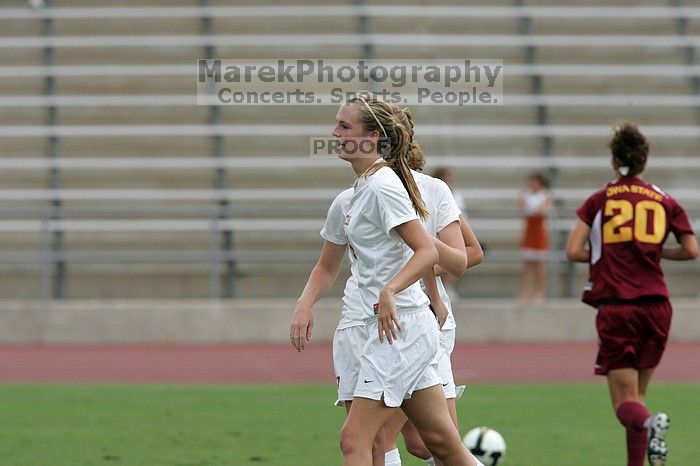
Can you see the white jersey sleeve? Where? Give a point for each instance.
(333, 229)
(446, 208)
(392, 206)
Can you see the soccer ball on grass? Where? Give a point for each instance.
(487, 445)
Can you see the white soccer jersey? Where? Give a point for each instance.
(442, 210)
(334, 231)
(378, 205)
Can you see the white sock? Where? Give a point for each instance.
(430, 461)
(392, 458)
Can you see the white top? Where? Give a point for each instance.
(443, 210)
(533, 202)
(378, 205)
(461, 203)
(334, 231)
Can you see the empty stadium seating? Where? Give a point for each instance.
(124, 194)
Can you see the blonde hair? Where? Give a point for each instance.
(402, 153)
(416, 159)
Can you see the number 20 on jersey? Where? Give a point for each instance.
(623, 211)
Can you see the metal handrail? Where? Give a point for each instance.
(273, 194)
(309, 130)
(513, 69)
(324, 11)
(658, 162)
(346, 40)
(184, 100)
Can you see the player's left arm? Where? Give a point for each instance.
(682, 229)
(577, 246)
(687, 249)
(475, 254)
(438, 306)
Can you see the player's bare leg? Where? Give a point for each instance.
(414, 442)
(392, 429)
(427, 409)
(452, 408)
(623, 385)
(643, 381)
(411, 437)
(379, 445)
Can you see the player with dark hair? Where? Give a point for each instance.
(625, 226)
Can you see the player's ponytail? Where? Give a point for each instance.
(384, 117)
(399, 161)
(416, 158)
(630, 149)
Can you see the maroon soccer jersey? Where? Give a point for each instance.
(630, 221)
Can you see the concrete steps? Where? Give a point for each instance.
(287, 279)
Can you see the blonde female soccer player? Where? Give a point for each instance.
(351, 332)
(397, 368)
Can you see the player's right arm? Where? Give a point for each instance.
(451, 251)
(465, 248)
(474, 252)
(685, 251)
(424, 257)
(576, 248)
(320, 280)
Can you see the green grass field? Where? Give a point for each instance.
(296, 425)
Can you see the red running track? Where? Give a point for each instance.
(263, 363)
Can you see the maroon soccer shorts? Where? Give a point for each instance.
(632, 334)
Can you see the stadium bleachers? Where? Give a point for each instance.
(113, 183)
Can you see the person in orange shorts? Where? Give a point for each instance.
(536, 202)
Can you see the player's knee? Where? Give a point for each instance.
(436, 444)
(417, 448)
(351, 440)
(379, 444)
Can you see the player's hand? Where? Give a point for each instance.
(440, 311)
(301, 326)
(387, 319)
